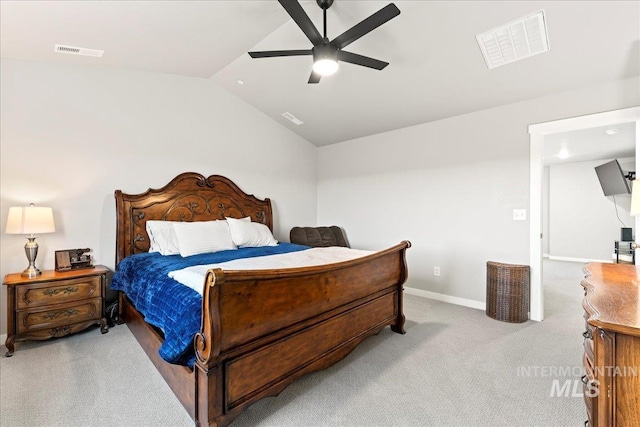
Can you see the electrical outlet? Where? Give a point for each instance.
(436, 271)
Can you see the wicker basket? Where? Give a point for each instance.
(507, 292)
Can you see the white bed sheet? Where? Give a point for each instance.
(193, 277)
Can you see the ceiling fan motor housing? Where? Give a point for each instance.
(325, 51)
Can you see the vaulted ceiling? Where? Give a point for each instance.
(436, 68)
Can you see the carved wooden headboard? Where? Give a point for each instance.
(188, 197)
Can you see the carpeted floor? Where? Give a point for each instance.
(454, 367)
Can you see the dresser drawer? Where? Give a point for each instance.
(41, 294)
(588, 338)
(588, 349)
(59, 315)
(589, 386)
(588, 367)
(588, 401)
(587, 360)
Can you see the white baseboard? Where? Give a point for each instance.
(446, 298)
(582, 260)
(3, 338)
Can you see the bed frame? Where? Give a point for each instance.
(260, 329)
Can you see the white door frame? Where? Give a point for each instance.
(537, 132)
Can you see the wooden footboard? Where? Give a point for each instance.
(260, 329)
(263, 329)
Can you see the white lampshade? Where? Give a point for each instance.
(30, 220)
(635, 199)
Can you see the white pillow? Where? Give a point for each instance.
(251, 234)
(205, 236)
(162, 238)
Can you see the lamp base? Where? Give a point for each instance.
(31, 271)
(31, 249)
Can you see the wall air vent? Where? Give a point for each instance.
(514, 41)
(292, 118)
(72, 50)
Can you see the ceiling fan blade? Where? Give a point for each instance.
(314, 77)
(371, 23)
(303, 21)
(365, 61)
(273, 53)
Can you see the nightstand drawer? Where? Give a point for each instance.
(40, 294)
(59, 315)
(54, 304)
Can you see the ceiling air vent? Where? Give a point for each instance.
(514, 41)
(292, 118)
(78, 51)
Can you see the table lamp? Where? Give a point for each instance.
(30, 220)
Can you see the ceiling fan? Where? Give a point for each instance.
(326, 54)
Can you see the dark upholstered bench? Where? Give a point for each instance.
(318, 236)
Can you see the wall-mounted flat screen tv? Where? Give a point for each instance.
(612, 179)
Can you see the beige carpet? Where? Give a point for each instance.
(454, 367)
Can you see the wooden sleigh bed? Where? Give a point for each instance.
(260, 329)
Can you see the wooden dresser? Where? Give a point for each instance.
(54, 304)
(612, 345)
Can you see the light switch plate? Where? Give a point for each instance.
(519, 214)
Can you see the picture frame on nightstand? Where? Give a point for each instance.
(73, 259)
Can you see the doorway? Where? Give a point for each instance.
(537, 133)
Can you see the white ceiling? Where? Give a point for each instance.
(436, 69)
(591, 144)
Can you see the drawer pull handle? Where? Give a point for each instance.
(55, 314)
(588, 334)
(67, 290)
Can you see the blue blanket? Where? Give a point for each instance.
(169, 305)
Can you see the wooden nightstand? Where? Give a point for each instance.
(54, 304)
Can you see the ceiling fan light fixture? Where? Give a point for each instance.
(325, 66)
(325, 59)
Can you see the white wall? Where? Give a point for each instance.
(545, 210)
(71, 135)
(582, 222)
(449, 186)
